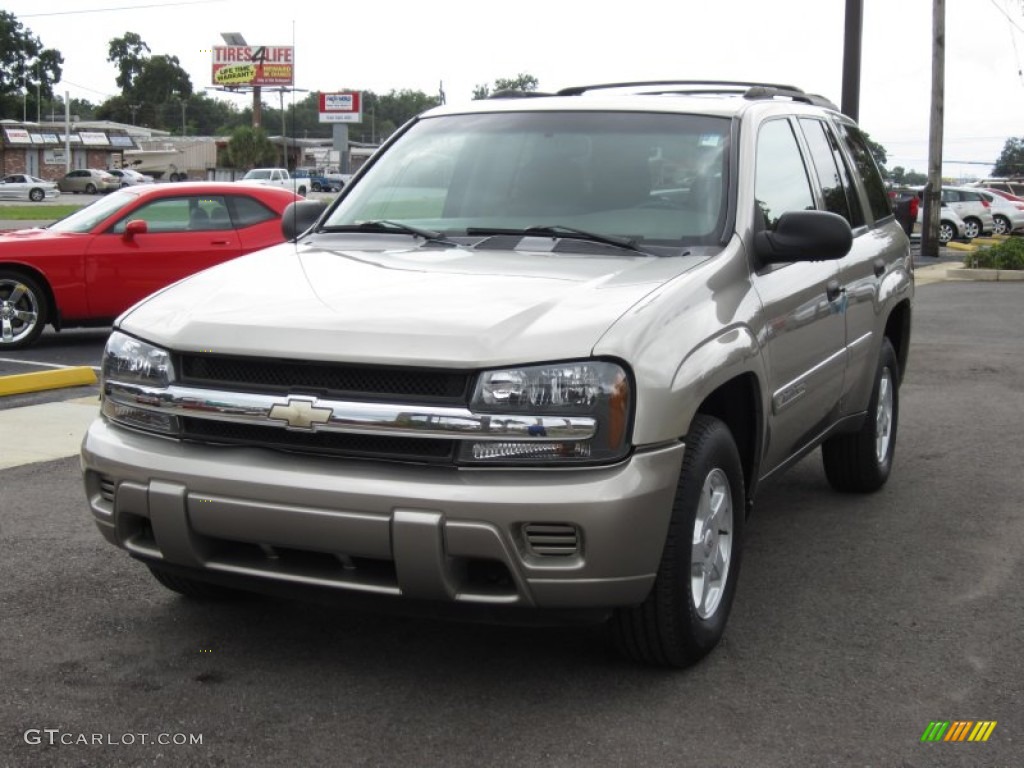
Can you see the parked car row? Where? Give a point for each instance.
(966, 212)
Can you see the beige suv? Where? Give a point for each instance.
(538, 357)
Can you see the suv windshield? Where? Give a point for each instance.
(655, 178)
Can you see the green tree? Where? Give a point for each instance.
(878, 152)
(128, 53)
(1011, 159)
(521, 82)
(250, 148)
(25, 68)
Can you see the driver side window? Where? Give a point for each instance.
(781, 183)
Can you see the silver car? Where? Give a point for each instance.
(129, 178)
(972, 208)
(88, 180)
(1007, 214)
(951, 226)
(538, 356)
(21, 186)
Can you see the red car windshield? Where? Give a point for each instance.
(87, 218)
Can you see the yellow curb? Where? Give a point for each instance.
(21, 383)
(961, 246)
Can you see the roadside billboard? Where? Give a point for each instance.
(341, 107)
(249, 65)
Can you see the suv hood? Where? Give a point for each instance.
(420, 306)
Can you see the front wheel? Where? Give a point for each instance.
(90, 189)
(684, 616)
(36, 195)
(316, 186)
(23, 310)
(946, 232)
(1001, 225)
(972, 228)
(861, 462)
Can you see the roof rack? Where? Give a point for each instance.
(750, 90)
(514, 94)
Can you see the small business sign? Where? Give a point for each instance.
(54, 157)
(249, 65)
(94, 138)
(17, 136)
(341, 107)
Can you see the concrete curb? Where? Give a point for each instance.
(38, 381)
(987, 275)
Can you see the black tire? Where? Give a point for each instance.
(972, 228)
(1001, 225)
(302, 192)
(90, 189)
(36, 195)
(191, 588)
(861, 462)
(668, 628)
(316, 187)
(24, 310)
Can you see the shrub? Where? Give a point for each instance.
(1007, 255)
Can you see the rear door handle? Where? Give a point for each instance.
(879, 267)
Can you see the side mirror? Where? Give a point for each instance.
(135, 227)
(300, 216)
(805, 236)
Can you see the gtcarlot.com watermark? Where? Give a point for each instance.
(55, 736)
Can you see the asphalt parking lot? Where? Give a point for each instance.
(858, 621)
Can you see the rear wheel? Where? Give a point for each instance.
(316, 186)
(90, 189)
(684, 616)
(861, 462)
(23, 310)
(197, 590)
(1001, 225)
(946, 232)
(36, 195)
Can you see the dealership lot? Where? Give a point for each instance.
(857, 622)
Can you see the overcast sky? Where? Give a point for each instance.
(418, 44)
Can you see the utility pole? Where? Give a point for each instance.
(933, 190)
(851, 58)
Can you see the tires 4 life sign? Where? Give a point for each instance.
(341, 108)
(247, 65)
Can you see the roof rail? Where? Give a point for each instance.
(749, 90)
(514, 94)
(733, 85)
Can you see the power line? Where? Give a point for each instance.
(118, 8)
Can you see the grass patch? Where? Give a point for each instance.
(1007, 255)
(36, 212)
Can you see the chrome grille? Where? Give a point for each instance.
(551, 539)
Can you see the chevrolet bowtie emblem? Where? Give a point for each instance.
(301, 414)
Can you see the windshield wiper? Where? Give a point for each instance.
(559, 230)
(387, 225)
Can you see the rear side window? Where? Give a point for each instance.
(781, 183)
(857, 145)
(245, 211)
(837, 187)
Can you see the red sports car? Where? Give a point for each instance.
(89, 267)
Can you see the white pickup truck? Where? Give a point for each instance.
(276, 177)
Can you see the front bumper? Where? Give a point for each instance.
(549, 538)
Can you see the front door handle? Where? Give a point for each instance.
(220, 242)
(833, 290)
(879, 267)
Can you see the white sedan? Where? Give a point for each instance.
(21, 186)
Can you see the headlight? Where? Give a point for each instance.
(594, 388)
(130, 361)
(128, 366)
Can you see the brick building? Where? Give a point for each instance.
(40, 149)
